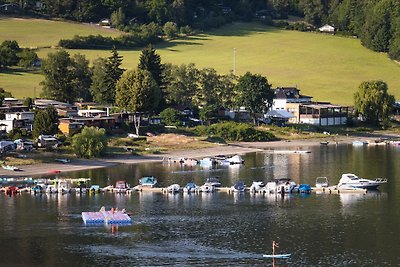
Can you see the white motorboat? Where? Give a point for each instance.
(321, 182)
(207, 162)
(207, 188)
(349, 181)
(257, 187)
(237, 159)
(359, 143)
(281, 186)
(174, 188)
(213, 181)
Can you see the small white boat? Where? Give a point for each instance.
(63, 186)
(281, 186)
(63, 160)
(207, 162)
(359, 143)
(121, 186)
(207, 188)
(174, 188)
(257, 187)
(213, 181)
(10, 168)
(190, 162)
(352, 181)
(235, 160)
(321, 182)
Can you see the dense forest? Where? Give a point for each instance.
(375, 22)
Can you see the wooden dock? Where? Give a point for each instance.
(336, 190)
(229, 190)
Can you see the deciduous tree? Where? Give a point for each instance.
(58, 77)
(45, 122)
(138, 92)
(8, 53)
(91, 142)
(254, 93)
(373, 102)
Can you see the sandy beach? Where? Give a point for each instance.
(227, 149)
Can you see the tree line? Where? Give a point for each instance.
(375, 22)
(152, 86)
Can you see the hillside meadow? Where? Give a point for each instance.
(327, 67)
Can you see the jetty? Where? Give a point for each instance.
(336, 190)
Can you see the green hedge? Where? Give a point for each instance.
(232, 131)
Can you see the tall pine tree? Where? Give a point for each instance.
(106, 73)
(150, 61)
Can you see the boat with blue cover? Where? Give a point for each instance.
(190, 188)
(239, 187)
(148, 181)
(303, 188)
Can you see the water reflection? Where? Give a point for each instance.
(216, 229)
(351, 202)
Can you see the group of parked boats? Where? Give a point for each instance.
(376, 142)
(207, 162)
(348, 181)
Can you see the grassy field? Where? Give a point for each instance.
(39, 33)
(327, 67)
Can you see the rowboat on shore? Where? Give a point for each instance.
(10, 168)
(63, 160)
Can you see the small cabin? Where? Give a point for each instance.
(327, 28)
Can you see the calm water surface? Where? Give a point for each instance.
(216, 229)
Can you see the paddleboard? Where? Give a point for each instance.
(277, 256)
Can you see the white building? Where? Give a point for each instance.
(285, 95)
(327, 28)
(21, 120)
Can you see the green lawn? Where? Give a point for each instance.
(327, 67)
(39, 33)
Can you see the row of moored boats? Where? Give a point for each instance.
(80, 186)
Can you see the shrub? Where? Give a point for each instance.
(91, 142)
(170, 116)
(186, 30)
(232, 131)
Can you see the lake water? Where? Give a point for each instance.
(217, 229)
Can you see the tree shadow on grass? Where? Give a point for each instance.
(18, 71)
(242, 29)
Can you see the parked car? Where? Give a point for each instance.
(47, 141)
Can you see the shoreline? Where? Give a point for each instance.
(228, 149)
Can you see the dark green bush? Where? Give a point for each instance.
(232, 131)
